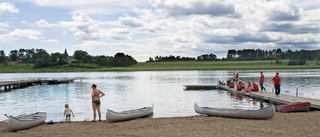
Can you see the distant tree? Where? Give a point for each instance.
(207, 57)
(122, 60)
(58, 59)
(2, 56)
(150, 59)
(231, 54)
(39, 63)
(82, 56)
(43, 55)
(13, 55)
(100, 60)
(30, 58)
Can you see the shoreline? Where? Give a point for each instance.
(282, 124)
(167, 66)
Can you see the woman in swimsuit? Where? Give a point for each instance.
(96, 94)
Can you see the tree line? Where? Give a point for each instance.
(297, 57)
(41, 58)
(204, 57)
(258, 54)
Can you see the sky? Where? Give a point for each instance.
(149, 28)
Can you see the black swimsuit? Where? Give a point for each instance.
(97, 102)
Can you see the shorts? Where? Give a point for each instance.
(97, 102)
(68, 115)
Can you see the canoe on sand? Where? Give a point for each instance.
(25, 121)
(263, 113)
(113, 116)
(294, 107)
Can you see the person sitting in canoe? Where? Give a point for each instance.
(67, 113)
(231, 84)
(240, 86)
(249, 87)
(255, 87)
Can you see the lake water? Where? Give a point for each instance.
(130, 90)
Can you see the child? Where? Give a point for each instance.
(249, 87)
(67, 113)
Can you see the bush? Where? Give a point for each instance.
(39, 63)
(297, 62)
(83, 65)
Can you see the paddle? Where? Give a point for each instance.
(6, 115)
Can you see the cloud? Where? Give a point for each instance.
(290, 28)
(4, 27)
(147, 28)
(89, 45)
(83, 27)
(283, 11)
(52, 41)
(25, 34)
(120, 34)
(130, 21)
(43, 23)
(18, 34)
(191, 7)
(98, 7)
(8, 7)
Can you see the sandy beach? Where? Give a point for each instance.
(282, 124)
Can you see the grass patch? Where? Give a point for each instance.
(165, 66)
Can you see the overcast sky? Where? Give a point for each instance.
(147, 28)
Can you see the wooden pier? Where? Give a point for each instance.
(273, 99)
(200, 87)
(9, 85)
(263, 96)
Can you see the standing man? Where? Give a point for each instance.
(236, 77)
(261, 81)
(276, 81)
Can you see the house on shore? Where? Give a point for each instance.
(69, 58)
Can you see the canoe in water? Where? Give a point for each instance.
(113, 116)
(294, 107)
(26, 121)
(263, 113)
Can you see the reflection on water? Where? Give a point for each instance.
(129, 90)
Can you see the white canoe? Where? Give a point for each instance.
(26, 121)
(263, 113)
(113, 116)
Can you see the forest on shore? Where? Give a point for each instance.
(40, 58)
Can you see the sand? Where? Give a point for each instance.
(282, 124)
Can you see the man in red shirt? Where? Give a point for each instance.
(276, 81)
(261, 81)
(236, 77)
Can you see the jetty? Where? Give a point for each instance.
(269, 97)
(201, 87)
(10, 85)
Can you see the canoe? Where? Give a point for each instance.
(113, 116)
(263, 113)
(294, 107)
(26, 121)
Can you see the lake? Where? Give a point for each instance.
(130, 90)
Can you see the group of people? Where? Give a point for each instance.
(96, 94)
(240, 86)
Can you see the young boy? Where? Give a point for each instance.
(67, 113)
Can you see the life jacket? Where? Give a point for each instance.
(231, 84)
(255, 87)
